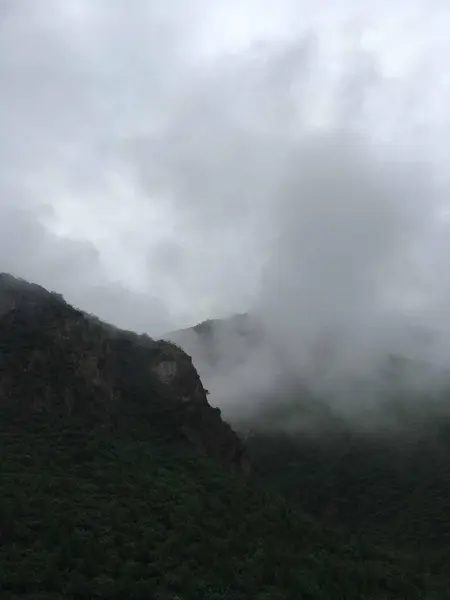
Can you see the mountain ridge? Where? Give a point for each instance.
(116, 481)
(58, 360)
(374, 474)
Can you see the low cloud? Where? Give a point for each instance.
(292, 166)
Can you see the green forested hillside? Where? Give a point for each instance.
(389, 481)
(395, 491)
(86, 517)
(118, 480)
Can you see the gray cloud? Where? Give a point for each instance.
(346, 281)
(154, 182)
(75, 80)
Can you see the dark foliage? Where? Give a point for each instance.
(56, 360)
(84, 517)
(115, 485)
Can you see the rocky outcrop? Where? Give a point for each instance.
(201, 424)
(58, 361)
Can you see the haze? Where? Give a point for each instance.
(164, 164)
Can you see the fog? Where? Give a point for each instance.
(161, 165)
(356, 275)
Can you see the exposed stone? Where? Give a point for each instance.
(166, 370)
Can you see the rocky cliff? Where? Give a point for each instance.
(59, 362)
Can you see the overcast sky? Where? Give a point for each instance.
(165, 162)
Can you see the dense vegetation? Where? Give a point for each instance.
(89, 517)
(387, 487)
(389, 478)
(115, 484)
(397, 490)
(57, 360)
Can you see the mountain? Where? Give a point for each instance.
(220, 343)
(236, 359)
(383, 473)
(119, 480)
(59, 361)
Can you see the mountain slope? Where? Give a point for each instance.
(85, 517)
(116, 483)
(56, 360)
(385, 476)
